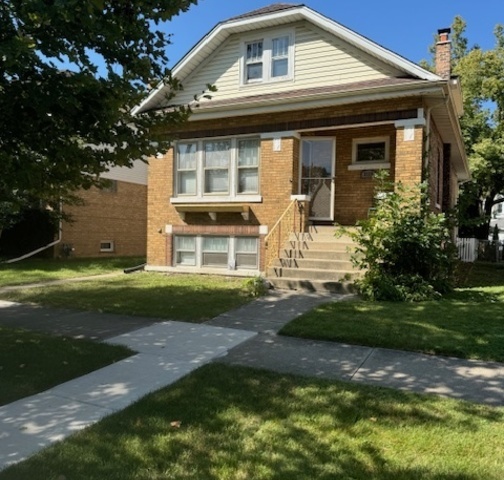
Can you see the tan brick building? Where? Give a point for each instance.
(111, 221)
(306, 111)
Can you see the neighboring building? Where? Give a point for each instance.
(111, 221)
(497, 219)
(305, 111)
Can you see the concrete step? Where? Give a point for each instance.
(317, 254)
(313, 273)
(320, 237)
(341, 246)
(314, 263)
(286, 283)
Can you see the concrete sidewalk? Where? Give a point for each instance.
(245, 336)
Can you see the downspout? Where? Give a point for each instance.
(41, 249)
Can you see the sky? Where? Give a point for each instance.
(407, 28)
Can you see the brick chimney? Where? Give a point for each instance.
(443, 53)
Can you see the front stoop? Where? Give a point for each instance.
(316, 261)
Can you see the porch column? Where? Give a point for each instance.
(409, 151)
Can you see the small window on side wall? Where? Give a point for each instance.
(370, 153)
(106, 246)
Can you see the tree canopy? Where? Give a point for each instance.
(482, 77)
(70, 73)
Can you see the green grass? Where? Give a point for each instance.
(237, 423)
(192, 298)
(44, 270)
(469, 323)
(33, 362)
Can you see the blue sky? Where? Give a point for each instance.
(395, 24)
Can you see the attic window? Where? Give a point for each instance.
(268, 59)
(254, 61)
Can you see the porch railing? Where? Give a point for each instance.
(291, 221)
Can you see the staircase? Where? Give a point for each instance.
(315, 261)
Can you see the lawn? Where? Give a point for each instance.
(44, 270)
(33, 362)
(191, 298)
(224, 422)
(469, 323)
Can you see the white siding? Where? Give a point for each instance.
(136, 174)
(321, 59)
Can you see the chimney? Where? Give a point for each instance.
(443, 53)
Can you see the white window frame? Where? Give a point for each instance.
(232, 252)
(374, 164)
(233, 194)
(267, 58)
(107, 249)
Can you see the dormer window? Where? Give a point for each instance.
(268, 59)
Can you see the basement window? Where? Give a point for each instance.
(106, 246)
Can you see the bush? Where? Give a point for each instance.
(405, 248)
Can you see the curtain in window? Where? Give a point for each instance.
(185, 248)
(186, 166)
(280, 57)
(215, 244)
(248, 162)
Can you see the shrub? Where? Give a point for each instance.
(405, 248)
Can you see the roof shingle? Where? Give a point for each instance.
(273, 8)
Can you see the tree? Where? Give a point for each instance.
(482, 78)
(61, 128)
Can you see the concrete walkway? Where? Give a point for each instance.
(245, 336)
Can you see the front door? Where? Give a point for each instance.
(317, 176)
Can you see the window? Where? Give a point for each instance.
(280, 57)
(106, 246)
(248, 166)
(186, 168)
(268, 59)
(239, 253)
(218, 170)
(215, 252)
(109, 186)
(216, 165)
(246, 252)
(185, 248)
(370, 153)
(254, 61)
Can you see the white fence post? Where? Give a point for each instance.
(468, 249)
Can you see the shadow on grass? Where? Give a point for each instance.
(241, 423)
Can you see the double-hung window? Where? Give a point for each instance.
(254, 61)
(217, 159)
(248, 166)
(268, 59)
(217, 170)
(186, 168)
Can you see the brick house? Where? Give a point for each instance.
(305, 112)
(111, 221)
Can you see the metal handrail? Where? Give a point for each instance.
(281, 231)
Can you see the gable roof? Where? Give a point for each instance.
(272, 16)
(275, 7)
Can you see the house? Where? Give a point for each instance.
(305, 112)
(111, 221)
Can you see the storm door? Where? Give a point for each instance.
(317, 176)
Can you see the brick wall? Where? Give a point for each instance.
(118, 216)
(279, 174)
